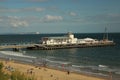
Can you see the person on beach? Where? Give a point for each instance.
(63, 66)
(68, 72)
(31, 72)
(51, 75)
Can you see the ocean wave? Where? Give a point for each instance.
(94, 68)
(57, 62)
(76, 68)
(50, 57)
(117, 73)
(17, 54)
(100, 74)
(85, 66)
(102, 66)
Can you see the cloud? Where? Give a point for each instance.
(28, 9)
(46, 18)
(38, 9)
(104, 18)
(3, 0)
(97, 19)
(50, 18)
(19, 23)
(13, 21)
(36, 0)
(72, 14)
(9, 10)
(23, 0)
(1, 20)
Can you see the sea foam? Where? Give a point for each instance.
(18, 54)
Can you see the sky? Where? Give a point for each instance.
(59, 16)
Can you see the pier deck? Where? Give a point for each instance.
(16, 46)
(51, 47)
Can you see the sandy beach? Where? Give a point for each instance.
(41, 73)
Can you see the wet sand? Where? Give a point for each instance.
(42, 73)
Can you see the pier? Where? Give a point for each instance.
(61, 42)
(51, 47)
(17, 46)
(69, 41)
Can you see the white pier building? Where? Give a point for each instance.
(67, 39)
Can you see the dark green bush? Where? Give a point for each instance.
(3, 76)
(1, 66)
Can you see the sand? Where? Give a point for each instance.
(42, 73)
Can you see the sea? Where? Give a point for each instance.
(96, 61)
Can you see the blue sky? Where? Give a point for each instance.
(59, 16)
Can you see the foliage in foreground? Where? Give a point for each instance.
(14, 75)
(20, 76)
(3, 76)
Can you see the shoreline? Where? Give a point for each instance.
(51, 72)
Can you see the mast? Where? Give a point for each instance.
(105, 37)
